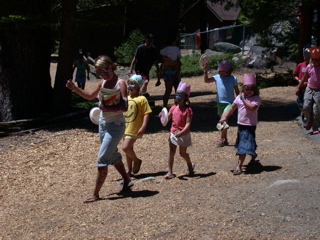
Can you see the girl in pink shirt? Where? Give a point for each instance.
(181, 115)
(247, 103)
(311, 107)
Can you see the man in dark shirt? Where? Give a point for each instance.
(146, 55)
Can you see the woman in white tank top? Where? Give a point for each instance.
(112, 94)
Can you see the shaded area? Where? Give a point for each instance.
(256, 167)
(204, 120)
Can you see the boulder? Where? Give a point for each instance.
(226, 47)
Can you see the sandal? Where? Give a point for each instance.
(315, 132)
(221, 142)
(169, 175)
(92, 199)
(237, 172)
(158, 83)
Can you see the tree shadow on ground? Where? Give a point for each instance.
(205, 116)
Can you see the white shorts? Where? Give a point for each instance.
(183, 141)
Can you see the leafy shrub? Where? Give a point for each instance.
(190, 64)
(79, 102)
(278, 79)
(124, 53)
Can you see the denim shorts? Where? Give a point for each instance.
(110, 136)
(170, 75)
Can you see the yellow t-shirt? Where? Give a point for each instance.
(137, 108)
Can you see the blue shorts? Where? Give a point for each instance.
(170, 75)
(110, 136)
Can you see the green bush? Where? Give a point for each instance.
(79, 102)
(190, 64)
(279, 79)
(125, 52)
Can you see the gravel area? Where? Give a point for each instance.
(47, 174)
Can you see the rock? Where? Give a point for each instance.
(226, 47)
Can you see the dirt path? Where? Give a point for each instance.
(46, 175)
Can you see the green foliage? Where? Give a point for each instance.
(124, 53)
(190, 64)
(79, 102)
(278, 79)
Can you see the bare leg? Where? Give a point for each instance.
(224, 135)
(186, 157)
(144, 87)
(238, 169)
(127, 147)
(172, 152)
(167, 93)
(126, 178)
(101, 177)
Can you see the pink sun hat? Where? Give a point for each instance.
(249, 79)
(224, 65)
(184, 88)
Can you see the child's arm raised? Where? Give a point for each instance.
(83, 93)
(206, 78)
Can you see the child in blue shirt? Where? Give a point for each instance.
(227, 88)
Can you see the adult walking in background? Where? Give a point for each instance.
(82, 67)
(171, 67)
(145, 56)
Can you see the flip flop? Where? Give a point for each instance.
(237, 172)
(92, 199)
(168, 176)
(127, 188)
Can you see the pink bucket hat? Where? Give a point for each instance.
(249, 79)
(224, 65)
(184, 88)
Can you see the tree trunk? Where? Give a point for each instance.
(318, 23)
(62, 95)
(306, 22)
(203, 26)
(25, 47)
